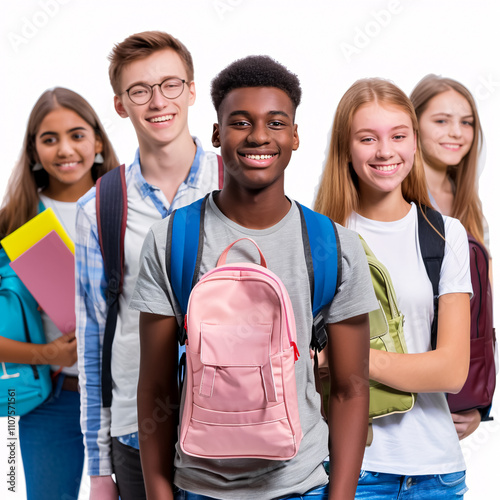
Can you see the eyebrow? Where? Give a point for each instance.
(247, 114)
(69, 131)
(450, 115)
(162, 79)
(397, 127)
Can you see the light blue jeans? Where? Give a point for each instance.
(320, 493)
(52, 447)
(379, 486)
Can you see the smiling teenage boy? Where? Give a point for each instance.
(255, 99)
(152, 76)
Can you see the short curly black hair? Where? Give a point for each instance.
(255, 71)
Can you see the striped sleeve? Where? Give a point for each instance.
(91, 318)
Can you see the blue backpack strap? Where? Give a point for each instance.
(111, 214)
(184, 252)
(324, 266)
(432, 243)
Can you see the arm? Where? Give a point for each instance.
(442, 370)
(61, 351)
(91, 318)
(348, 352)
(158, 383)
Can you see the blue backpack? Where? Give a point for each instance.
(22, 387)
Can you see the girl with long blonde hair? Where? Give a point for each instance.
(374, 183)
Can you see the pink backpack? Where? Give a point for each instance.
(241, 396)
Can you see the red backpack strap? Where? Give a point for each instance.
(111, 215)
(221, 171)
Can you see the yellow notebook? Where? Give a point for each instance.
(32, 232)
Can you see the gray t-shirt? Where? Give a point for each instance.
(282, 247)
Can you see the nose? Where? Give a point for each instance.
(65, 148)
(384, 150)
(259, 134)
(157, 101)
(455, 129)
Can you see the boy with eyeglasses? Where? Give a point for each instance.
(256, 99)
(152, 76)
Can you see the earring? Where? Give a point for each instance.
(36, 167)
(98, 158)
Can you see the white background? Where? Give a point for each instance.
(328, 44)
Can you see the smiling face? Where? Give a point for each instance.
(257, 135)
(66, 146)
(446, 129)
(161, 120)
(382, 147)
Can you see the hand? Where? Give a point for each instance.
(61, 351)
(466, 422)
(103, 488)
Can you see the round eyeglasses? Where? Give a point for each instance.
(142, 93)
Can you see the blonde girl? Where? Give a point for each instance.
(373, 182)
(64, 151)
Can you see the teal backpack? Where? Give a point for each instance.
(22, 387)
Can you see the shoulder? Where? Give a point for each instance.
(87, 202)
(350, 243)
(453, 227)
(455, 234)
(347, 235)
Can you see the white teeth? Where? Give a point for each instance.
(386, 168)
(451, 146)
(165, 118)
(72, 164)
(259, 157)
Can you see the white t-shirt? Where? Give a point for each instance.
(66, 213)
(423, 440)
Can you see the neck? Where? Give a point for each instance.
(68, 192)
(384, 207)
(253, 209)
(166, 167)
(437, 178)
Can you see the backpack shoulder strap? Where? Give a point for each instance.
(221, 171)
(186, 227)
(432, 243)
(111, 215)
(324, 265)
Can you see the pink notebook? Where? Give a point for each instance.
(48, 271)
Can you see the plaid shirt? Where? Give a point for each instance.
(150, 205)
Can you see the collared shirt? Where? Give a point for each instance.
(146, 205)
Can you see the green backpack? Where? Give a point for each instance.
(386, 334)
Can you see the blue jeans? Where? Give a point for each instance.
(52, 447)
(379, 486)
(320, 493)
